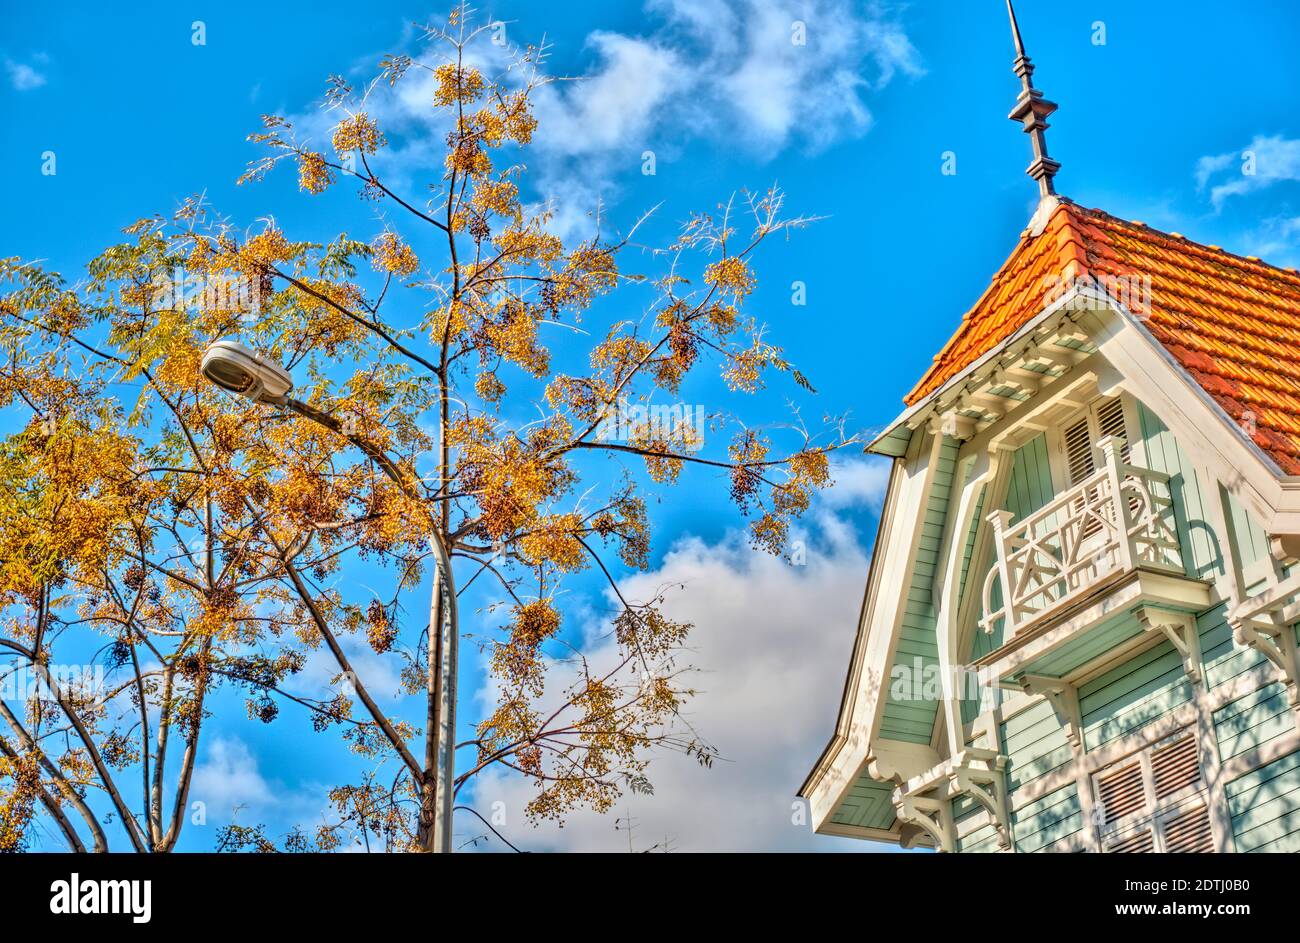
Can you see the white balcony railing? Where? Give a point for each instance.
(1055, 555)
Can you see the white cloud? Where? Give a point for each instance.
(228, 780)
(381, 674)
(764, 75)
(24, 77)
(1277, 240)
(616, 103)
(1208, 166)
(890, 50)
(733, 72)
(859, 482)
(772, 642)
(228, 776)
(1264, 162)
(773, 89)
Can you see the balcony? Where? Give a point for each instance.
(1119, 519)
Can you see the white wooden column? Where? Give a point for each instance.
(947, 625)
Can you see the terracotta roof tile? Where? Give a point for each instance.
(1232, 322)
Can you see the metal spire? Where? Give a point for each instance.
(1032, 110)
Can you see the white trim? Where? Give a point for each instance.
(1120, 593)
(1207, 744)
(984, 473)
(894, 553)
(900, 576)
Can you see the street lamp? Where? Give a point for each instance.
(236, 369)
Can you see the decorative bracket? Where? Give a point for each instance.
(1064, 698)
(980, 773)
(928, 815)
(1276, 643)
(891, 761)
(925, 802)
(954, 425)
(1181, 630)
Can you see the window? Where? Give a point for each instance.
(1155, 800)
(1082, 457)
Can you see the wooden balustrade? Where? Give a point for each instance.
(1119, 518)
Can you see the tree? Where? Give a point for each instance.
(193, 541)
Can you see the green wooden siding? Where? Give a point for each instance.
(1030, 486)
(1253, 720)
(911, 719)
(893, 443)
(984, 839)
(868, 804)
(1034, 743)
(1265, 807)
(1222, 658)
(1042, 824)
(1132, 695)
(1264, 804)
(972, 705)
(985, 642)
(1251, 543)
(1161, 452)
(1038, 826)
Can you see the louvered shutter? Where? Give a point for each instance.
(1188, 831)
(1078, 451)
(1175, 765)
(1103, 419)
(1110, 421)
(1156, 800)
(1080, 464)
(1122, 791)
(1139, 842)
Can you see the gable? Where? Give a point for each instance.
(1027, 373)
(1231, 323)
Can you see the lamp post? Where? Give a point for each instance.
(241, 371)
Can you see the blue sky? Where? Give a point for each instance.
(1158, 104)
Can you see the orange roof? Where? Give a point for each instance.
(1233, 323)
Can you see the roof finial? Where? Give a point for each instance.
(1032, 110)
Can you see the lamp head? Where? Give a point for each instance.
(235, 368)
